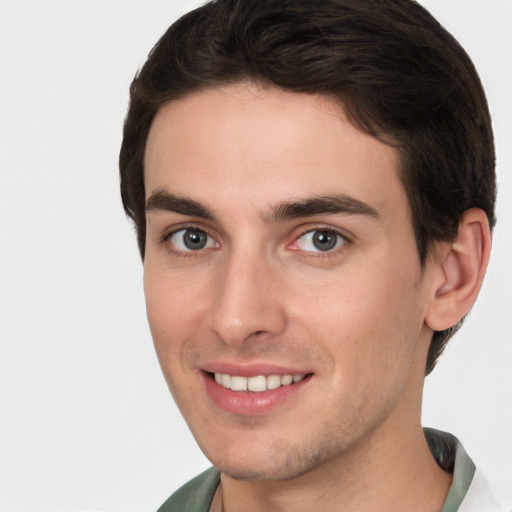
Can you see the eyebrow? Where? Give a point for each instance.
(164, 201)
(318, 205)
(161, 200)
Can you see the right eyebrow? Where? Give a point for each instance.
(319, 205)
(161, 200)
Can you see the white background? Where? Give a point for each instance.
(86, 421)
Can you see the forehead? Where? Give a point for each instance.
(268, 145)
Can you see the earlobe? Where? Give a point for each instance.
(461, 268)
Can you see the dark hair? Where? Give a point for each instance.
(399, 75)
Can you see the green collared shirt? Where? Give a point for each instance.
(197, 495)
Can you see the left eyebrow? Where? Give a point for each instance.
(320, 205)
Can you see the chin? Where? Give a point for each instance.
(270, 465)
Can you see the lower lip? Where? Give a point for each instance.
(249, 403)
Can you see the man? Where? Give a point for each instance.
(313, 189)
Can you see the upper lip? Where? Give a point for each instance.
(252, 369)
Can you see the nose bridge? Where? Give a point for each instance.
(246, 302)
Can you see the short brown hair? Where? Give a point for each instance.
(399, 75)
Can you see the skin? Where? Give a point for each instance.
(260, 292)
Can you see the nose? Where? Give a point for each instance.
(249, 302)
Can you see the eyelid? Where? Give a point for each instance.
(347, 239)
(339, 231)
(301, 231)
(171, 231)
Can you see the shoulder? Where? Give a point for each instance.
(195, 496)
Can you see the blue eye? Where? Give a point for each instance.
(320, 240)
(191, 240)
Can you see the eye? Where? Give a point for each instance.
(187, 240)
(320, 240)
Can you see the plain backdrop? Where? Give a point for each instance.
(86, 421)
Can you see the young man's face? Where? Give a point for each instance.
(279, 243)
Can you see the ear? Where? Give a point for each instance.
(460, 270)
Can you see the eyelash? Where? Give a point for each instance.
(346, 240)
(165, 239)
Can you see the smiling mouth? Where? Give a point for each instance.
(255, 384)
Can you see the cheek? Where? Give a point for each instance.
(367, 320)
(172, 306)
(173, 316)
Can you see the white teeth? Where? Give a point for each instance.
(286, 380)
(273, 381)
(226, 380)
(239, 383)
(255, 384)
(258, 383)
